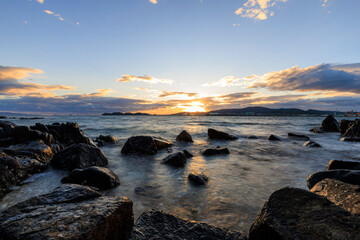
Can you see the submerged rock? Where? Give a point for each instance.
(350, 139)
(108, 139)
(68, 212)
(215, 134)
(274, 138)
(79, 156)
(198, 178)
(342, 194)
(354, 130)
(344, 125)
(346, 176)
(316, 130)
(98, 177)
(298, 137)
(312, 144)
(176, 159)
(216, 151)
(140, 144)
(188, 154)
(184, 136)
(162, 143)
(339, 164)
(252, 137)
(155, 224)
(329, 124)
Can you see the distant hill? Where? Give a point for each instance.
(121, 114)
(263, 111)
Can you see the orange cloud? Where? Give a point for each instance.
(146, 78)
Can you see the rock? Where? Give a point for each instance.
(312, 144)
(339, 164)
(298, 137)
(154, 224)
(349, 139)
(100, 143)
(68, 212)
(274, 138)
(24, 134)
(346, 196)
(69, 133)
(39, 126)
(8, 128)
(184, 136)
(292, 213)
(316, 130)
(214, 134)
(354, 130)
(215, 151)
(98, 177)
(198, 178)
(6, 142)
(108, 139)
(176, 159)
(35, 149)
(346, 176)
(252, 137)
(162, 143)
(188, 154)
(140, 144)
(344, 125)
(79, 156)
(329, 124)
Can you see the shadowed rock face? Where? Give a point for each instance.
(176, 159)
(292, 213)
(339, 164)
(68, 212)
(354, 130)
(274, 138)
(346, 176)
(198, 178)
(344, 125)
(140, 144)
(162, 143)
(342, 194)
(215, 134)
(155, 224)
(79, 156)
(330, 124)
(312, 144)
(69, 133)
(184, 136)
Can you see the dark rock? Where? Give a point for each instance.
(198, 178)
(8, 128)
(349, 139)
(24, 134)
(79, 156)
(2, 133)
(162, 143)
(354, 130)
(298, 137)
(184, 136)
(252, 137)
(68, 212)
(344, 125)
(69, 133)
(215, 151)
(346, 176)
(98, 177)
(35, 149)
(339, 164)
(292, 213)
(40, 127)
(100, 143)
(108, 139)
(155, 224)
(188, 154)
(6, 142)
(214, 134)
(342, 194)
(47, 138)
(312, 144)
(176, 159)
(330, 124)
(316, 130)
(140, 144)
(274, 138)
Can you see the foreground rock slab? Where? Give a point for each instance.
(155, 224)
(342, 194)
(346, 176)
(68, 212)
(140, 144)
(340, 164)
(292, 213)
(215, 134)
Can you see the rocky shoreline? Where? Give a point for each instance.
(77, 209)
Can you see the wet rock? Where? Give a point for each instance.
(252, 137)
(329, 124)
(349, 139)
(214, 134)
(69, 133)
(155, 224)
(68, 212)
(6, 142)
(101, 143)
(216, 151)
(8, 128)
(344, 195)
(346, 176)
(292, 213)
(176, 159)
(108, 139)
(23, 134)
(140, 144)
(40, 127)
(298, 137)
(354, 130)
(98, 177)
(188, 154)
(316, 130)
(162, 143)
(184, 136)
(198, 178)
(312, 144)
(274, 138)
(340, 164)
(79, 156)
(344, 125)
(35, 149)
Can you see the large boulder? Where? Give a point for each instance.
(292, 213)
(346, 176)
(184, 136)
(68, 212)
(140, 144)
(79, 156)
(216, 151)
(162, 143)
(345, 124)
(329, 124)
(298, 137)
(354, 130)
(215, 134)
(342, 194)
(69, 133)
(155, 224)
(98, 177)
(176, 159)
(340, 164)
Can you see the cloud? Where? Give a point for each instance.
(153, 1)
(167, 94)
(40, 1)
(146, 78)
(257, 9)
(58, 16)
(49, 12)
(230, 81)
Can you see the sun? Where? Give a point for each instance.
(193, 107)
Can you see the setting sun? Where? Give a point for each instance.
(193, 107)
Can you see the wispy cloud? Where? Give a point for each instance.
(168, 94)
(231, 81)
(40, 1)
(58, 16)
(146, 78)
(153, 1)
(257, 9)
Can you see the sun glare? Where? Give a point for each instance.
(193, 107)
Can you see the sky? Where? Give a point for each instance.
(169, 56)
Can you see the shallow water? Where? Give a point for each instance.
(238, 183)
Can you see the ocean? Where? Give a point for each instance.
(239, 183)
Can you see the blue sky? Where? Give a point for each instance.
(86, 45)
